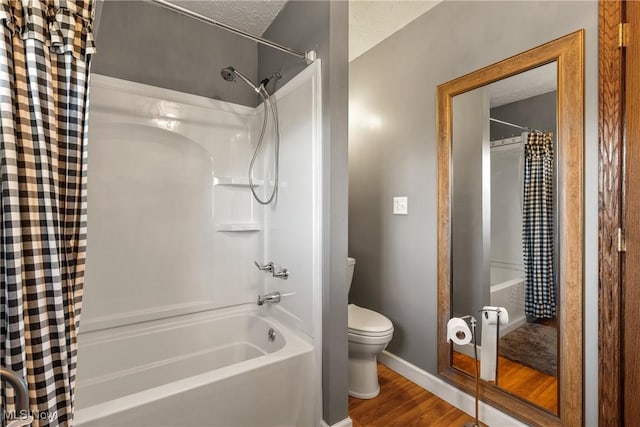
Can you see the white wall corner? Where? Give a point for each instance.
(344, 423)
(463, 401)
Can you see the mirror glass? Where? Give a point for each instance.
(504, 242)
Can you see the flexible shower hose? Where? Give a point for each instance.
(266, 99)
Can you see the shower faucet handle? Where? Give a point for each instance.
(267, 267)
(282, 274)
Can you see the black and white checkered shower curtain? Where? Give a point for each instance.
(45, 49)
(538, 226)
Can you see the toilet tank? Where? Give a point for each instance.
(351, 264)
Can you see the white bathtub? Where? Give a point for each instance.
(507, 290)
(206, 369)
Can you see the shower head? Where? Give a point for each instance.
(230, 74)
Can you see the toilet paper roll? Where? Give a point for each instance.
(489, 350)
(458, 331)
(491, 315)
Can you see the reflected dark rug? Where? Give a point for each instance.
(534, 345)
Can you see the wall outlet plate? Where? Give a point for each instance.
(401, 206)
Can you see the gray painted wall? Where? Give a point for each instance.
(537, 112)
(147, 44)
(471, 202)
(395, 155)
(323, 26)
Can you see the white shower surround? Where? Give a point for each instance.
(167, 173)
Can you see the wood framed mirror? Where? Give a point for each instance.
(485, 226)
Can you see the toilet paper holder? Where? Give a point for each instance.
(472, 321)
(486, 310)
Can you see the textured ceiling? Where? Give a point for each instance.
(370, 22)
(251, 16)
(524, 85)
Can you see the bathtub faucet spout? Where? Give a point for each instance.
(269, 298)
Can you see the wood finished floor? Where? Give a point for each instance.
(402, 403)
(521, 380)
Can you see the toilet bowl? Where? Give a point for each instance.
(369, 334)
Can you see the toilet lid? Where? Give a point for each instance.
(367, 322)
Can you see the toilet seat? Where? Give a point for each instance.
(369, 340)
(367, 323)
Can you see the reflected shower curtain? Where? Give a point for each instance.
(45, 49)
(538, 226)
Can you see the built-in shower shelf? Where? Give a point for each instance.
(238, 181)
(241, 226)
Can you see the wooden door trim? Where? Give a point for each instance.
(610, 198)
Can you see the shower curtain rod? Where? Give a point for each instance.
(509, 124)
(309, 56)
(491, 119)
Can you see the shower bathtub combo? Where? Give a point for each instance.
(191, 346)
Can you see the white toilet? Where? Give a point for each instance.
(369, 334)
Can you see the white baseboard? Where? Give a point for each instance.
(344, 423)
(465, 402)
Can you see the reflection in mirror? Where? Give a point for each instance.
(504, 241)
